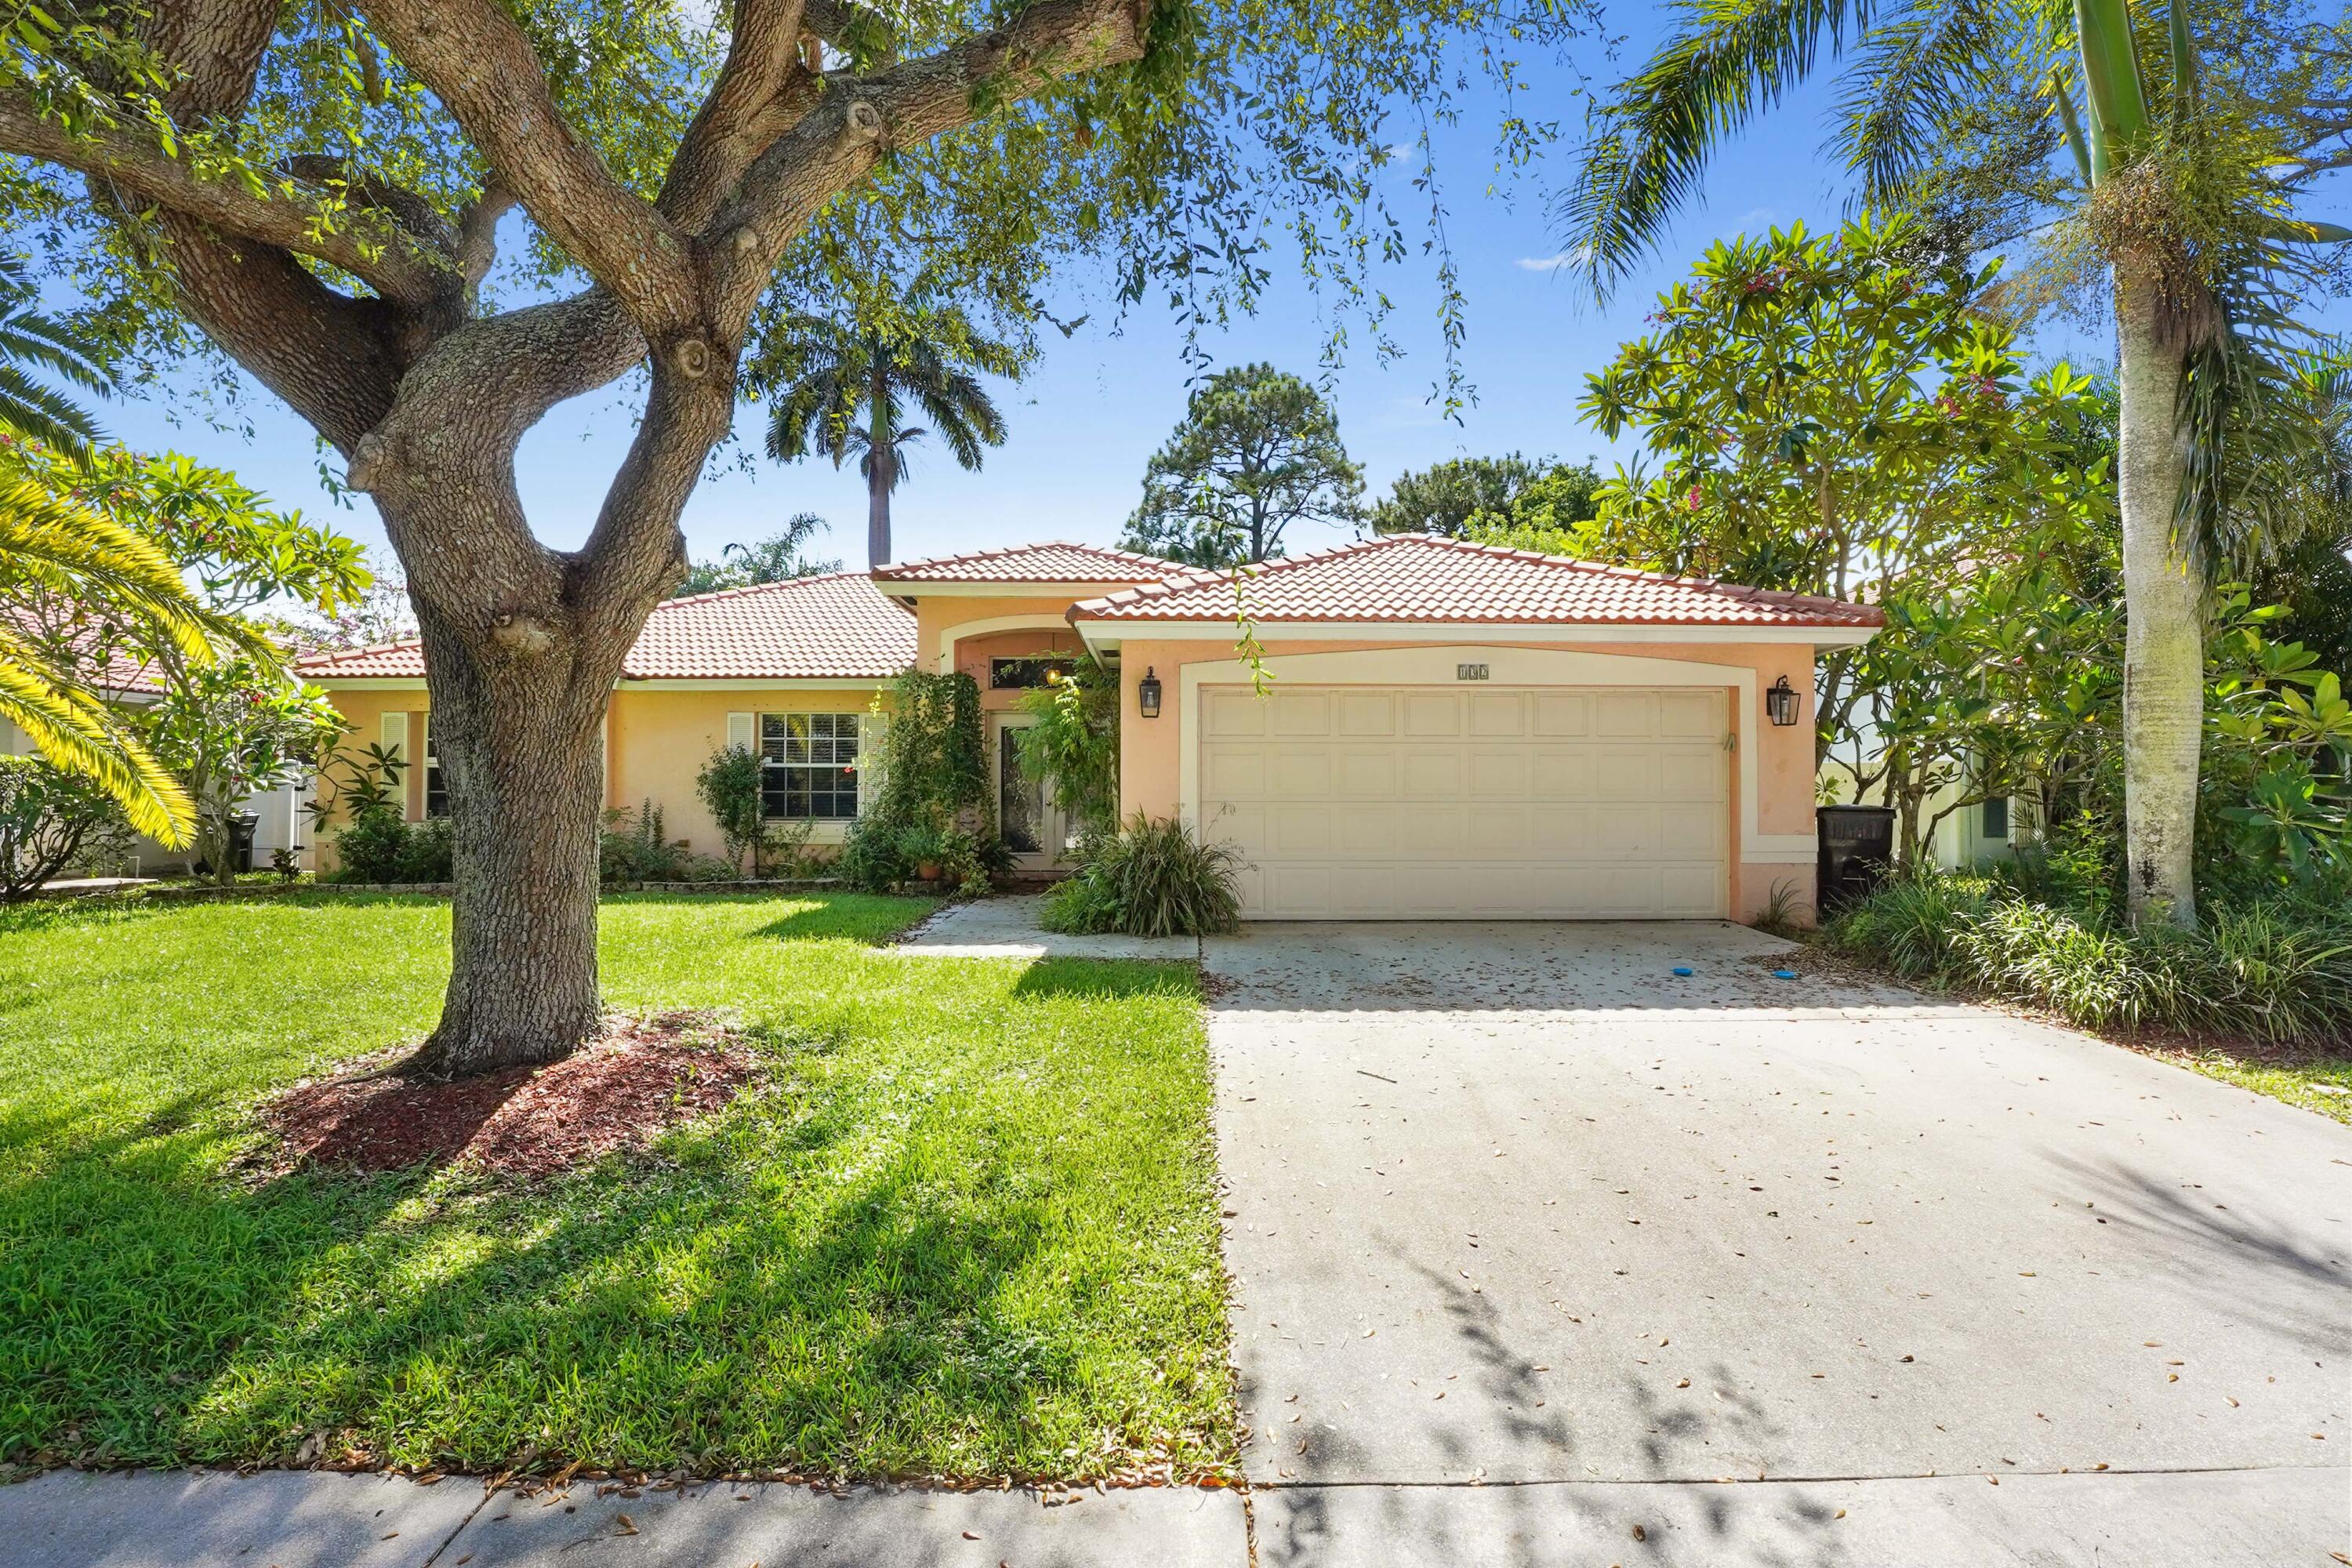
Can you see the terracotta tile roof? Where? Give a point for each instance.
(1056, 561)
(123, 674)
(1413, 577)
(837, 626)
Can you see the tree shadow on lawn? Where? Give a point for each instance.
(627, 1315)
(872, 919)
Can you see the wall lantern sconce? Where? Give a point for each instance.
(1146, 694)
(1780, 703)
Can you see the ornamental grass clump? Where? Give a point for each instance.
(1151, 879)
(2274, 971)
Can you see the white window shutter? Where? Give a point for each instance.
(743, 729)
(870, 726)
(395, 741)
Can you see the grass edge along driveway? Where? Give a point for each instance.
(966, 1227)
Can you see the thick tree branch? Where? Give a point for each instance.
(487, 74)
(477, 233)
(837, 144)
(735, 121)
(145, 175)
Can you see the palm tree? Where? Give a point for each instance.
(56, 547)
(821, 373)
(2193, 264)
(31, 341)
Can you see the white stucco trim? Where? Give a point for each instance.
(900, 589)
(1506, 666)
(1100, 633)
(752, 683)
(728, 683)
(950, 635)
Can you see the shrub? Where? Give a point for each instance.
(636, 846)
(2275, 971)
(428, 852)
(373, 845)
(1151, 879)
(51, 821)
(730, 784)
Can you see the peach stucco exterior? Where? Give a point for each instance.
(659, 734)
(1153, 768)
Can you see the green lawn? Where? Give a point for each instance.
(2297, 1078)
(971, 1228)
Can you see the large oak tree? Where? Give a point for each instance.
(315, 189)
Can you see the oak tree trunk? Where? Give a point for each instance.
(2164, 663)
(522, 756)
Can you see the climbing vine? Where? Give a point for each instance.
(931, 804)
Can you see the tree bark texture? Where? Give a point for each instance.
(2164, 606)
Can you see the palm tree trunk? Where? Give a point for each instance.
(881, 466)
(2164, 665)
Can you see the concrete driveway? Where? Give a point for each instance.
(1537, 1243)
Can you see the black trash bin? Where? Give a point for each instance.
(1857, 845)
(241, 829)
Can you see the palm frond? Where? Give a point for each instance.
(76, 732)
(1648, 149)
(1908, 74)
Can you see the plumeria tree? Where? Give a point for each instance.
(2171, 183)
(323, 194)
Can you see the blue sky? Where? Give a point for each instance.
(1084, 422)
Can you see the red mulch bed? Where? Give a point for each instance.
(615, 1093)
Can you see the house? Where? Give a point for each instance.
(126, 681)
(1432, 729)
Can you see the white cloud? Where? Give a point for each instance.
(1545, 263)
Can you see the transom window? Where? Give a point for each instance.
(808, 765)
(436, 789)
(1026, 672)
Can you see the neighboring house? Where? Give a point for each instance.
(126, 682)
(1448, 730)
(1964, 836)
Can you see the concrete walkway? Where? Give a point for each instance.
(1536, 1242)
(295, 1520)
(1008, 928)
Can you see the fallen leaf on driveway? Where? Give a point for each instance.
(627, 1525)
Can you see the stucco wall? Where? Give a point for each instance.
(1151, 750)
(656, 742)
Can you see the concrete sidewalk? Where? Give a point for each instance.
(162, 1519)
(1008, 928)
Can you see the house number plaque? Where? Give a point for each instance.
(1469, 672)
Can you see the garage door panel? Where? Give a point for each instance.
(1690, 715)
(1562, 714)
(1627, 773)
(1429, 713)
(1296, 830)
(1497, 713)
(1432, 804)
(1233, 772)
(1561, 772)
(1299, 712)
(1226, 713)
(1691, 772)
(1299, 772)
(1501, 772)
(1625, 715)
(1364, 772)
(1358, 713)
(1431, 775)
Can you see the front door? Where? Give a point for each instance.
(1030, 824)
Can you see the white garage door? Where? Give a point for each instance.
(1363, 802)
